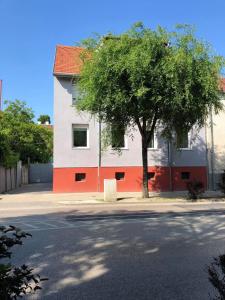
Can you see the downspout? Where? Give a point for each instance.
(212, 156)
(99, 153)
(170, 165)
(207, 156)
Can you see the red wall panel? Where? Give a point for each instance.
(64, 178)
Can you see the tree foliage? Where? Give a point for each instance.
(21, 138)
(15, 281)
(43, 119)
(147, 77)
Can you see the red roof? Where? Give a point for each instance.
(223, 84)
(67, 60)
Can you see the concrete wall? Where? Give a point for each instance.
(65, 156)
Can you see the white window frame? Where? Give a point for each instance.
(82, 126)
(155, 142)
(189, 143)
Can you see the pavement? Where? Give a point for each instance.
(127, 250)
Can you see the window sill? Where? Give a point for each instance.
(80, 148)
(153, 149)
(115, 149)
(184, 149)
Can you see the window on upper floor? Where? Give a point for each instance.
(80, 136)
(74, 93)
(183, 141)
(152, 143)
(118, 139)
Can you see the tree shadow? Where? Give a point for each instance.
(159, 257)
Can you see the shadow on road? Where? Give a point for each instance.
(157, 258)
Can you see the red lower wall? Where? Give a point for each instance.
(64, 178)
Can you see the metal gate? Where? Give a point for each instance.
(40, 173)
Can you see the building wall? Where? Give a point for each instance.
(216, 146)
(69, 160)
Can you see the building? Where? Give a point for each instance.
(216, 144)
(80, 164)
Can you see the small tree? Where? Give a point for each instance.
(21, 138)
(15, 281)
(144, 77)
(43, 119)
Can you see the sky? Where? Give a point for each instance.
(31, 29)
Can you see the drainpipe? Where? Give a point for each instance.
(212, 152)
(207, 156)
(169, 152)
(99, 152)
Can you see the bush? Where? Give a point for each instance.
(195, 189)
(216, 275)
(15, 281)
(222, 183)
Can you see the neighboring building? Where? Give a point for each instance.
(216, 144)
(81, 166)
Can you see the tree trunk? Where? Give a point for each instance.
(145, 193)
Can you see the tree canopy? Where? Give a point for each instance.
(146, 77)
(43, 119)
(21, 138)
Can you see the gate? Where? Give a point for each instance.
(40, 173)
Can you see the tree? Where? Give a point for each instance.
(21, 138)
(147, 77)
(43, 119)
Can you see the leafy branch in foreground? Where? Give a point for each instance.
(15, 281)
(216, 275)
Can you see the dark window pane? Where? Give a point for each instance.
(151, 175)
(80, 137)
(185, 175)
(182, 141)
(80, 176)
(151, 143)
(118, 137)
(120, 175)
(74, 94)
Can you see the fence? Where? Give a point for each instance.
(12, 178)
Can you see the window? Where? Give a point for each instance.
(152, 142)
(118, 137)
(120, 175)
(151, 175)
(74, 93)
(80, 136)
(183, 141)
(185, 175)
(80, 176)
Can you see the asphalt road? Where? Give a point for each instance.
(133, 255)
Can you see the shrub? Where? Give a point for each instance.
(222, 183)
(216, 275)
(15, 281)
(195, 189)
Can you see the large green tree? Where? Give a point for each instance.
(21, 138)
(146, 77)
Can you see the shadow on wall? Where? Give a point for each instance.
(116, 259)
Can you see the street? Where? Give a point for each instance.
(128, 254)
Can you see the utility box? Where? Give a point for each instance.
(110, 190)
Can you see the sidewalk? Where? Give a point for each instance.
(37, 194)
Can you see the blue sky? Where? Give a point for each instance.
(30, 30)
